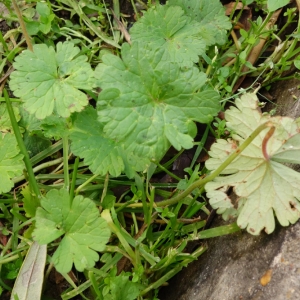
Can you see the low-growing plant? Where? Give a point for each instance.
(100, 123)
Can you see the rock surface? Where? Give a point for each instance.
(241, 266)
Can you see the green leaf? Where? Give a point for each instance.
(5, 124)
(262, 186)
(218, 231)
(276, 4)
(49, 81)
(210, 15)
(85, 231)
(29, 282)
(101, 154)
(122, 288)
(30, 203)
(42, 20)
(11, 161)
(148, 103)
(55, 126)
(297, 63)
(33, 137)
(35, 143)
(167, 28)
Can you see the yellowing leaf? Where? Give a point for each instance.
(261, 184)
(85, 231)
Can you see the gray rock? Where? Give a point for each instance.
(234, 265)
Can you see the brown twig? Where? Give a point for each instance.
(5, 76)
(22, 24)
(257, 49)
(122, 28)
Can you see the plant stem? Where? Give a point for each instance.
(32, 181)
(89, 23)
(74, 176)
(116, 6)
(66, 162)
(166, 170)
(214, 174)
(106, 215)
(104, 188)
(85, 183)
(38, 168)
(173, 271)
(23, 27)
(265, 142)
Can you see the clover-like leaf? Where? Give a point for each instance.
(210, 15)
(85, 231)
(49, 81)
(168, 28)
(148, 103)
(11, 161)
(262, 185)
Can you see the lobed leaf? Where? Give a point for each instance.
(261, 184)
(168, 28)
(148, 103)
(100, 153)
(49, 81)
(85, 231)
(122, 288)
(210, 15)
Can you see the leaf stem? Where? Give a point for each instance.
(202, 181)
(32, 180)
(265, 142)
(38, 168)
(85, 183)
(66, 162)
(106, 215)
(74, 176)
(166, 170)
(173, 271)
(106, 181)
